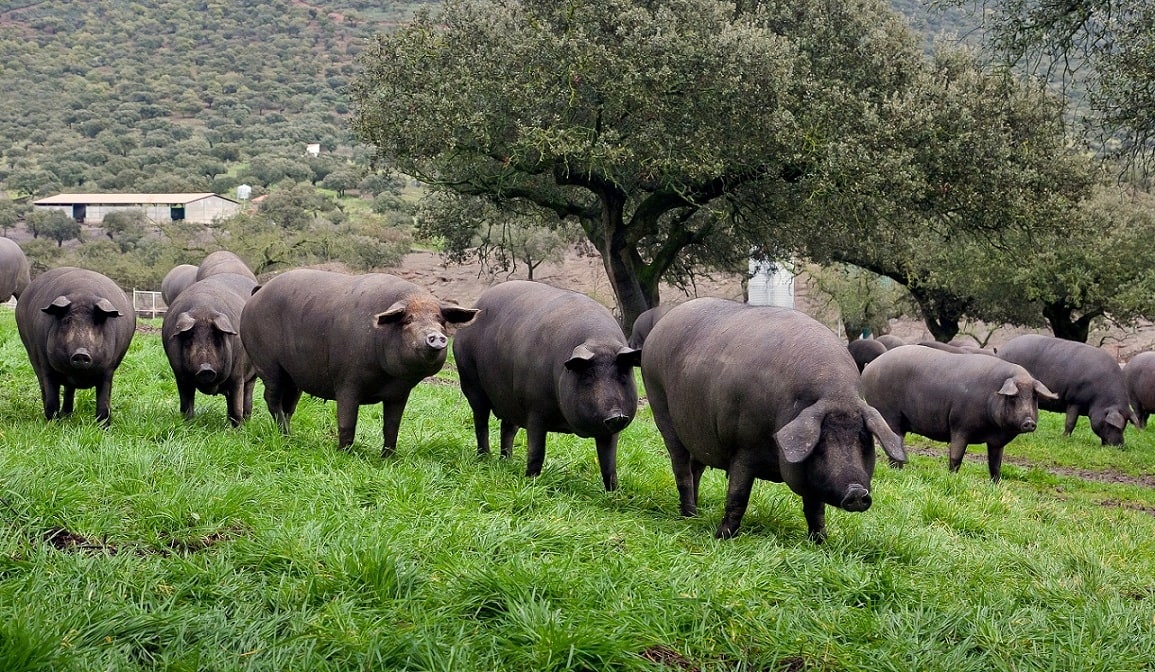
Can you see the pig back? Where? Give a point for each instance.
(517, 347)
(14, 269)
(223, 261)
(727, 375)
(176, 281)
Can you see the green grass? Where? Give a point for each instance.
(161, 544)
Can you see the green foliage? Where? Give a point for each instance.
(473, 229)
(126, 228)
(166, 544)
(52, 223)
(865, 302)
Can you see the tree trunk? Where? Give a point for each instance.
(633, 296)
(940, 312)
(1061, 317)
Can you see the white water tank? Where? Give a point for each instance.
(243, 192)
(771, 284)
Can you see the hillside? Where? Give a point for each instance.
(184, 95)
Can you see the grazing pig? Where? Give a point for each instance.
(762, 392)
(203, 344)
(14, 270)
(549, 360)
(1087, 380)
(890, 341)
(959, 398)
(358, 339)
(223, 261)
(76, 326)
(1139, 375)
(176, 281)
(865, 351)
(644, 324)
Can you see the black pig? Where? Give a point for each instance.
(762, 392)
(358, 339)
(76, 326)
(549, 360)
(960, 398)
(203, 344)
(1087, 380)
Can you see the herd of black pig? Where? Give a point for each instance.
(760, 392)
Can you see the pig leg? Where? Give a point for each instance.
(247, 403)
(737, 499)
(1142, 416)
(815, 511)
(481, 430)
(391, 423)
(235, 402)
(103, 399)
(186, 389)
(958, 448)
(508, 434)
(69, 398)
(608, 460)
(347, 408)
(280, 393)
(535, 447)
(685, 475)
(1072, 420)
(50, 395)
(995, 459)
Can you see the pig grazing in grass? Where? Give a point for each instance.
(202, 342)
(76, 325)
(959, 398)
(357, 339)
(549, 360)
(1087, 380)
(762, 392)
(1139, 375)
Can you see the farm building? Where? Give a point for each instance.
(198, 208)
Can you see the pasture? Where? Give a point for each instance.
(161, 544)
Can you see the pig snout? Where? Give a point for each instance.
(1028, 425)
(81, 358)
(206, 373)
(616, 421)
(437, 341)
(857, 498)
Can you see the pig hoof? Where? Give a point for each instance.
(895, 464)
(725, 532)
(818, 536)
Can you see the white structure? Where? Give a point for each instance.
(771, 284)
(313, 149)
(195, 208)
(244, 191)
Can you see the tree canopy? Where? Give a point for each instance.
(686, 134)
(1107, 46)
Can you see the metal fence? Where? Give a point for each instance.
(148, 304)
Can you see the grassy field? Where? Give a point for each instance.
(161, 544)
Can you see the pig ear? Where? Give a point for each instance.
(629, 357)
(223, 324)
(1042, 391)
(1009, 389)
(183, 323)
(798, 437)
(1116, 419)
(104, 308)
(891, 442)
(393, 315)
(458, 315)
(580, 357)
(58, 307)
